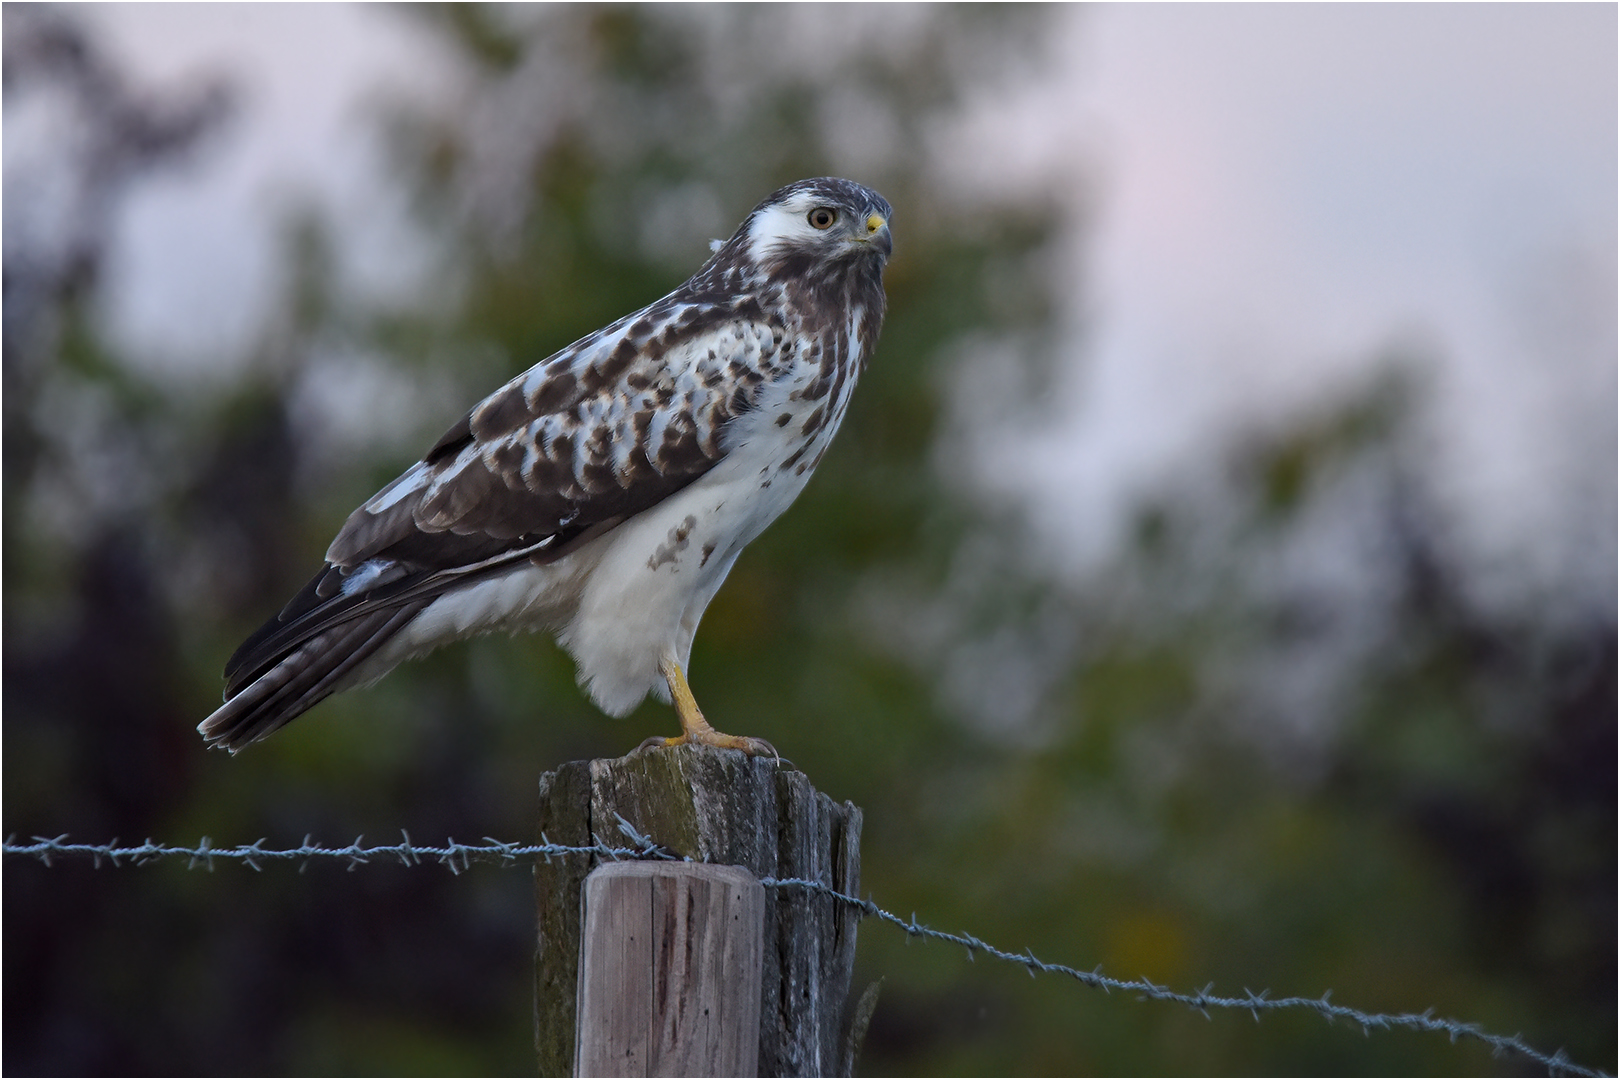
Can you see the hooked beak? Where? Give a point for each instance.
(876, 233)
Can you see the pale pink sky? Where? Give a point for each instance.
(1288, 190)
(1284, 191)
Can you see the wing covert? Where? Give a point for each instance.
(599, 431)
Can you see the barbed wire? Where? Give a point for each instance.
(458, 857)
(1203, 1000)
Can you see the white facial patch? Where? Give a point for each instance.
(785, 225)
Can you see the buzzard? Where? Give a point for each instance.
(605, 493)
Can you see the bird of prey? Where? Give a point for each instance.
(604, 494)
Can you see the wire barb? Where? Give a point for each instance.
(456, 856)
(1206, 999)
(460, 857)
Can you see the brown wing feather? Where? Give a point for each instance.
(591, 436)
(303, 677)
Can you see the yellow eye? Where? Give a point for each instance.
(822, 217)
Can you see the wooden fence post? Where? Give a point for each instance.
(669, 971)
(720, 807)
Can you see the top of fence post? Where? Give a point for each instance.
(715, 806)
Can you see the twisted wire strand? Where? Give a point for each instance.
(1204, 1000)
(456, 856)
(459, 857)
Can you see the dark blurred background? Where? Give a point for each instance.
(1196, 648)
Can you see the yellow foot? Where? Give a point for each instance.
(694, 728)
(711, 737)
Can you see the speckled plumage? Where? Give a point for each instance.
(604, 493)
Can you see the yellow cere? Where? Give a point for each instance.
(874, 223)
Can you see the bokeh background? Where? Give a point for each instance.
(1214, 579)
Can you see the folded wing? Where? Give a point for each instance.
(584, 440)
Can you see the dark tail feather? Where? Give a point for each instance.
(309, 672)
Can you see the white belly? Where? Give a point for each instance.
(656, 574)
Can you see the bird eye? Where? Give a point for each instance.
(822, 217)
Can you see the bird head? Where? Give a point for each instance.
(825, 220)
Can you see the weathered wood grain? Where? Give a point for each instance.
(715, 806)
(670, 971)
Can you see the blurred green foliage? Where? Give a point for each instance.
(1446, 838)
